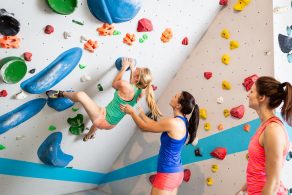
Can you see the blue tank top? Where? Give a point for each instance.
(169, 157)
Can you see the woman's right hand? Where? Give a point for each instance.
(126, 63)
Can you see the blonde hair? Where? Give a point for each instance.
(145, 82)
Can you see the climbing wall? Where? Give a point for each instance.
(283, 63)
(253, 30)
(21, 171)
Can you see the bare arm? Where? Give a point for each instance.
(273, 142)
(149, 125)
(126, 62)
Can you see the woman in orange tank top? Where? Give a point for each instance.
(268, 147)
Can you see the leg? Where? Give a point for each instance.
(174, 192)
(156, 191)
(92, 109)
(90, 134)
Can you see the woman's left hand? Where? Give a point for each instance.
(126, 108)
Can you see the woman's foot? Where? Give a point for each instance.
(54, 94)
(88, 136)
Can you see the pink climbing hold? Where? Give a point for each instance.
(249, 81)
(49, 29)
(185, 41)
(208, 75)
(3, 93)
(27, 56)
(219, 153)
(151, 178)
(223, 2)
(237, 112)
(144, 25)
(154, 87)
(187, 175)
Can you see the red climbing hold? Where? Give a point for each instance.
(187, 175)
(151, 178)
(208, 75)
(185, 41)
(154, 87)
(27, 56)
(219, 153)
(237, 112)
(144, 25)
(3, 93)
(223, 2)
(249, 81)
(49, 29)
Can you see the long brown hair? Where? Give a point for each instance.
(188, 104)
(277, 92)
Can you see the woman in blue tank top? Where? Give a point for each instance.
(176, 131)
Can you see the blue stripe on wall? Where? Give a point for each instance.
(35, 170)
(234, 140)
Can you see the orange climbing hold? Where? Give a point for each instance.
(246, 127)
(9, 42)
(105, 29)
(90, 45)
(129, 39)
(166, 35)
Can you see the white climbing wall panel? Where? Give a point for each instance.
(190, 18)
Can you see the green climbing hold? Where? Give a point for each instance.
(75, 121)
(82, 66)
(13, 69)
(99, 87)
(2, 147)
(75, 109)
(77, 22)
(64, 7)
(117, 32)
(52, 128)
(77, 130)
(141, 40)
(69, 167)
(145, 36)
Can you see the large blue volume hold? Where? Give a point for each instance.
(53, 73)
(50, 152)
(60, 104)
(285, 43)
(113, 11)
(21, 114)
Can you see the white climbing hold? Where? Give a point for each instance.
(20, 137)
(85, 78)
(82, 38)
(220, 100)
(21, 95)
(278, 10)
(66, 35)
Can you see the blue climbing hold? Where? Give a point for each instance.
(60, 104)
(118, 63)
(21, 114)
(50, 152)
(112, 11)
(285, 43)
(289, 57)
(53, 73)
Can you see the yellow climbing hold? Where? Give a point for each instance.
(241, 4)
(203, 113)
(209, 181)
(225, 59)
(225, 34)
(207, 126)
(233, 44)
(214, 168)
(226, 113)
(226, 85)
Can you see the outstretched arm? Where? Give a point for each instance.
(148, 124)
(126, 62)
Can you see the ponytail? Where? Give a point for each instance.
(150, 99)
(193, 124)
(286, 110)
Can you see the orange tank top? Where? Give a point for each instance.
(256, 167)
